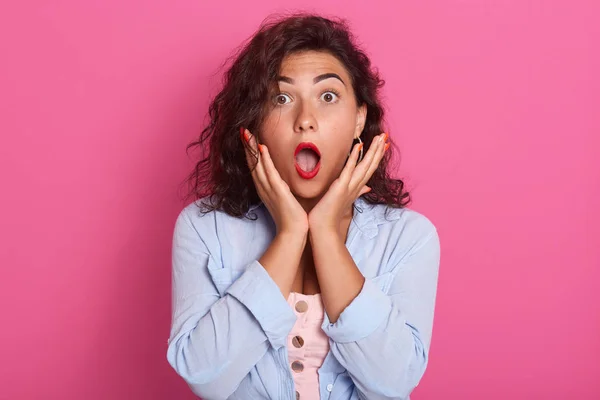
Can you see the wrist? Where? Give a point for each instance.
(324, 232)
(292, 235)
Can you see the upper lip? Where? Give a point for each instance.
(307, 145)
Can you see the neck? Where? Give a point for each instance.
(309, 203)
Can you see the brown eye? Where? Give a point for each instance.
(329, 96)
(280, 99)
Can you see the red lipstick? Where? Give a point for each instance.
(301, 172)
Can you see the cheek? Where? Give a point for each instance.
(342, 120)
(279, 158)
(278, 150)
(337, 154)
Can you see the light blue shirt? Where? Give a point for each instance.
(230, 321)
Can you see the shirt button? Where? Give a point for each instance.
(301, 306)
(297, 395)
(297, 366)
(329, 387)
(297, 341)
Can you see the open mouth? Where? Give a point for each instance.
(307, 160)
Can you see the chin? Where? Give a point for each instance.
(306, 189)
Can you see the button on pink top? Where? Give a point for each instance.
(307, 344)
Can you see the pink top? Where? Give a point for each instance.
(307, 344)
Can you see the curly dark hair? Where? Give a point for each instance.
(222, 175)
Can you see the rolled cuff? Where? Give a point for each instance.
(361, 317)
(256, 290)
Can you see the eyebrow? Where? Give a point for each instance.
(316, 80)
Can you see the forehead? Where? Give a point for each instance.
(312, 63)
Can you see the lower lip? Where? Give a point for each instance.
(308, 175)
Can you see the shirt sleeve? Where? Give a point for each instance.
(216, 340)
(383, 339)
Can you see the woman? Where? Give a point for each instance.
(299, 273)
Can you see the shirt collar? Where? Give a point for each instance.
(372, 216)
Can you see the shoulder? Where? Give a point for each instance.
(401, 220)
(405, 229)
(214, 227)
(196, 214)
(192, 216)
(412, 222)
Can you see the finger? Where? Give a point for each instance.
(363, 166)
(260, 168)
(250, 158)
(271, 172)
(346, 173)
(253, 157)
(374, 164)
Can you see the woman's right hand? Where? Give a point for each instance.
(288, 214)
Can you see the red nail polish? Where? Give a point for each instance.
(244, 134)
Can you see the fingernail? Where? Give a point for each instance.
(385, 137)
(260, 147)
(243, 134)
(360, 146)
(387, 146)
(368, 190)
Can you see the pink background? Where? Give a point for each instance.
(494, 105)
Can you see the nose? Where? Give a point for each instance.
(305, 121)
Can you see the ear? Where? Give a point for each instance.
(361, 118)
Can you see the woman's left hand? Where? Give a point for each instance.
(351, 184)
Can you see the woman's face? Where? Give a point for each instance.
(316, 104)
